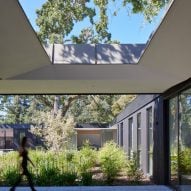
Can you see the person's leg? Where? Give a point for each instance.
(29, 178)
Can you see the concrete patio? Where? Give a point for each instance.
(94, 188)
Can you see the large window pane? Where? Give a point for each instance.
(150, 140)
(173, 127)
(130, 136)
(139, 138)
(185, 137)
(121, 134)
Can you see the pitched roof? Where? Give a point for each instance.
(15, 126)
(92, 125)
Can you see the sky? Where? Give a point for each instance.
(124, 28)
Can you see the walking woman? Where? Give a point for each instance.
(23, 153)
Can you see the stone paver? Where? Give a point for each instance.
(93, 188)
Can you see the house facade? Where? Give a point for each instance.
(95, 133)
(135, 127)
(12, 134)
(158, 129)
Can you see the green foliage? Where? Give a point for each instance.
(68, 178)
(121, 103)
(10, 176)
(174, 165)
(134, 173)
(148, 8)
(85, 159)
(83, 108)
(16, 107)
(55, 130)
(47, 176)
(57, 18)
(112, 160)
(185, 161)
(86, 178)
(9, 169)
(71, 167)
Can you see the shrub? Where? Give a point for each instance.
(67, 179)
(86, 178)
(185, 161)
(10, 176)
(112, 160)
(134, 174)
(85, 160)
(47, 177)
(174, 164)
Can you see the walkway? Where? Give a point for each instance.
(94, 188)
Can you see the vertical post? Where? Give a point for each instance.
(53, 47)
(5, 139)
(95, 53)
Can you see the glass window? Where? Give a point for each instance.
(121, 134)
(130, 150)
(185, 138)
(139, 138)
(150, 140)
(118, 129)
(180, 140)
(173, 127)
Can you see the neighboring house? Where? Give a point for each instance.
(11, 135)
(96, 133)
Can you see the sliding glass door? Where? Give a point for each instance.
(180, 140)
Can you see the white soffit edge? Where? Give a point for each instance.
(20, 50)
(169, 50)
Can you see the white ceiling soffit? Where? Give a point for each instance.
(165, 63)
(169, 51)
(20, 50)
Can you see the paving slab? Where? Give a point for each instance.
(93, 188)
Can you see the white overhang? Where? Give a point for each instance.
(165, 62)
(20, 50)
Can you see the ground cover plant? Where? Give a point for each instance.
(71, 167)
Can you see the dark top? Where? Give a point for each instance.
(24, 155)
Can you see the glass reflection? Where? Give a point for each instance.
(173, 126)
(180, 140)
(185, 137)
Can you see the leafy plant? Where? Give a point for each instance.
(67, 179)
(86, 178)
(112, 160)
(10, 176)
(185, 161)
(85, 160)
(134, 173)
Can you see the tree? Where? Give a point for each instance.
(15, 108)
(55, 131)
(57, 18)
(84, 108)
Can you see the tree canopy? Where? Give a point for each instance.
(57, 18)
(83, 108)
